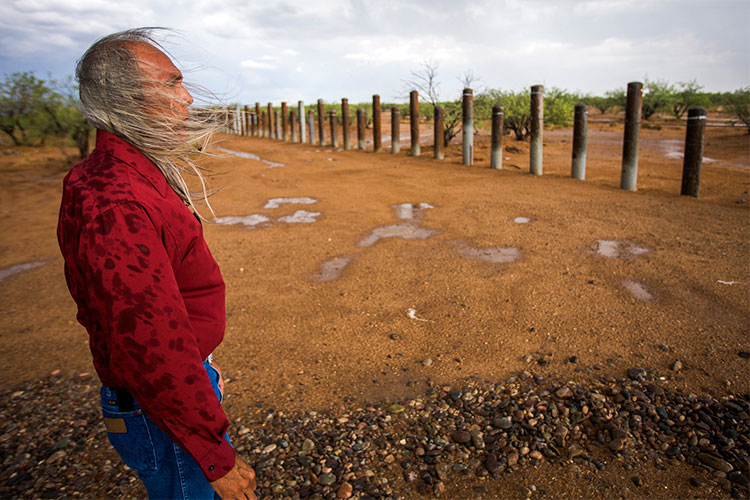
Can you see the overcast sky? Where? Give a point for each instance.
(250, 50)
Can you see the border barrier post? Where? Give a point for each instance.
(321, 123)
(537, 129)
(311, 126)
(438, 132)
(270, 121)
(360, 128)
(263, 122)
(247, 120)
(376, 131)
(580, 132)
(691, 167)
(629, 175)
(277, 122)
(301, 113)
(284, 115)
(345, 123)
(258, 129)
(333, 122)
(467, 145)
(496, 137)
(292, 120)
(414, 122)
(395, 130)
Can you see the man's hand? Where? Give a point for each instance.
(238, 484)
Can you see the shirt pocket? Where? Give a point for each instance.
(130, 435)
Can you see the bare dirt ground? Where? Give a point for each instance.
(674, 286)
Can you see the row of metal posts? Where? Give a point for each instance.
(274, 124)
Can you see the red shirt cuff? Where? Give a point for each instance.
(218, 462)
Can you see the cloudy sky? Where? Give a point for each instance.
(251, 50)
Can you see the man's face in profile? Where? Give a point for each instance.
(164, 88)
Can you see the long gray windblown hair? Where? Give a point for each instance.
(115, 97)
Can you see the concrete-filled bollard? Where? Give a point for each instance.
(439, 138)
(345, 123)
(629, 174)
(496, 137)
(277, 122)
(376, 130)
(253, 128)
(580, 132)
(293, 129)
(361, 129)
(321, 123)
(258, 129)
(467, 146)
(247, 121)
(270, 121)
(263, 124)
(693, 161)
(334, 137)
(395, 130)
(311, 126)
(414, 122)
(301, 114)
(537, 129)
(284, 114)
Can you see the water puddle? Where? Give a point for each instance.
(300, 216)
(404, 231)
(617, 250)
(248, 220)
(332, 269)
(19, 268)
(521, 220)
(637, 289)
(409, 211)
(251, 156)
(277, 202)
(499, 255)
(674, 149)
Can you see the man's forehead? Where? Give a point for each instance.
(152, 60)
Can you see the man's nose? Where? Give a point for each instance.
(186, 97)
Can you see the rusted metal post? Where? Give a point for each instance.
(414, 122)
(301, 113)
(345, 123)
(537, 129)
(376, 131)
(252, 124)
(467, 146)
(258, 129)
(284, 115)
(395, 130)
(277, 122)
(311, 126)
(438, 132)
(293, 129)
(334, 123)
(578, 168)
(629, 175)
(321, 123)
(496, 138)
(247, 121)
(270, 121)
(691, 166)
(263, 122)
(360, 128)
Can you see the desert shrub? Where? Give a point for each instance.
(559, 107)
(686, 97)
(740, 105)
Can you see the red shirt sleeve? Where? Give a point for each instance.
(153, 349)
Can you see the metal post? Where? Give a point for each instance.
(376, 132)
(263, 124)
(321, 123)
(691, 166)
(284, 115)
(414, 122)
(496, 139)
(301, 113)
(578, 168)
(395, 130)
(345, 122)
(270, 121)
(247, 121)
(292, 120)
(360, 128)
(333, 122)
(467, 145)
(537, 129)
(439, 135)
(258, 130)
(311, 126)
(252, 124)
(629, 175)
(277, 122)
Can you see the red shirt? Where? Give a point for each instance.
(149, 293)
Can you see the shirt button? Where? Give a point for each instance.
(211, 467)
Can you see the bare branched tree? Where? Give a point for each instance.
(425, 81)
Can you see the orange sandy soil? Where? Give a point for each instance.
(295, 342)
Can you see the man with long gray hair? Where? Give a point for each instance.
(148, 291)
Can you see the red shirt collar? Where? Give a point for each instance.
(122, 150)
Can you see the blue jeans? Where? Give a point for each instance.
(166, 470)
